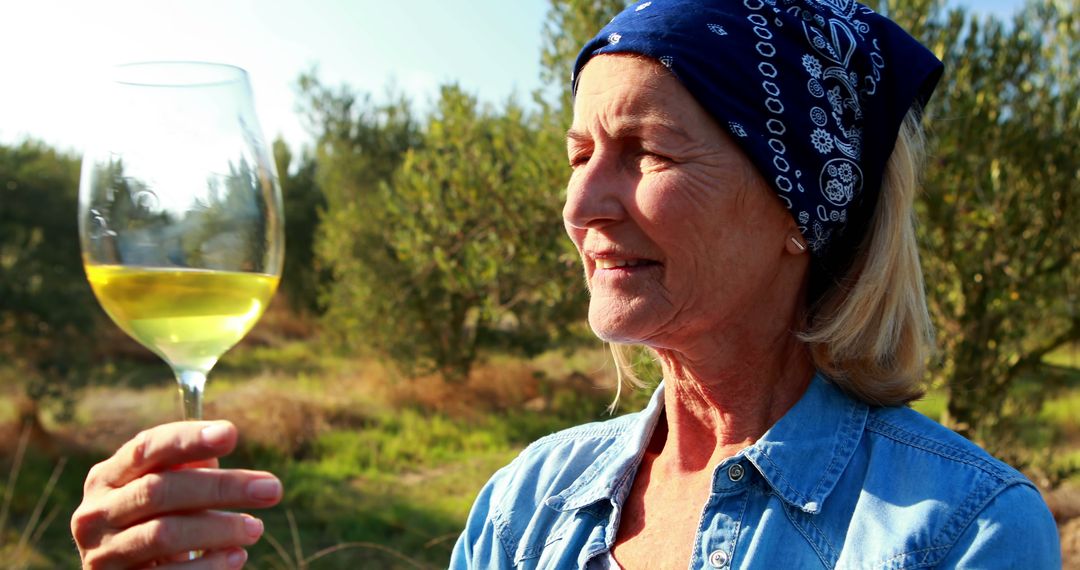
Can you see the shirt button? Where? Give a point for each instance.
(718, 559)
(735, 473)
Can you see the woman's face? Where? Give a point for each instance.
(679, 235)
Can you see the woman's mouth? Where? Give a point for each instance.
(614, 263)
(622, 265)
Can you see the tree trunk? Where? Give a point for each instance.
(28, 414)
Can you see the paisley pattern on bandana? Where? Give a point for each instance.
(813, 91)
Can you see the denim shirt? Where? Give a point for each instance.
(833, 484)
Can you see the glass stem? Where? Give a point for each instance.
(191, 383)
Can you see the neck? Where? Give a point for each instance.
(721, 398)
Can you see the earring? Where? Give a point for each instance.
(798, 244)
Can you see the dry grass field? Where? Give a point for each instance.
(379, 471)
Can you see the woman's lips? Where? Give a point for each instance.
(616, 270)
(616, 263)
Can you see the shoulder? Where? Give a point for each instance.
(554, 462)
(974, 505)
(514, 500)
(929, 443)
(1014, 530)
(581, 439)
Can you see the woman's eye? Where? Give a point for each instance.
(652, 157)
(579, 160)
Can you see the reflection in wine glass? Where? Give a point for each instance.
(180, 214)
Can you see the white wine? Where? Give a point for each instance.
(189, 317)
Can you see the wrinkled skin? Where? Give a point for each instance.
(688, 251)
(656, 181)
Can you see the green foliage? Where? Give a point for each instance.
(46, 306)
(39, 248)
(359, 145)
(569, 24)
(302, 277)
(1000, 211)
(457, 248)
(921, 18)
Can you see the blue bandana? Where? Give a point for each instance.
(813, 91)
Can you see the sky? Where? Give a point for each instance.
(53, 51)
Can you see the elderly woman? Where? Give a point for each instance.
(743, 178)
(741, 197)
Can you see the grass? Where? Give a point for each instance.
(379, 472)
(19, 547)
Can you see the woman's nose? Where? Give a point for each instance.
(593, 196)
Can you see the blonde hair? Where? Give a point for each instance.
(870, 332)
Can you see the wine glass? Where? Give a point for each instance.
(180, 216)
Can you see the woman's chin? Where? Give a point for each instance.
(607, 336)
(620, 328)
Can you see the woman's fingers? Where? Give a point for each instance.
(160, 448)
(170, 492)
(165, 538)
(203, 464)
(156, 494)
(158, 497)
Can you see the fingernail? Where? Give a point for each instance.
(264, 489)
(215, 434)
(253, 526)
(236, 558)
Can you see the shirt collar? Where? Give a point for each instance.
(801, 457)
(804, 454)
(611, 474)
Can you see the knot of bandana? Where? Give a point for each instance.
(813, 91)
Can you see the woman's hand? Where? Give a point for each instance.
(159, 496)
